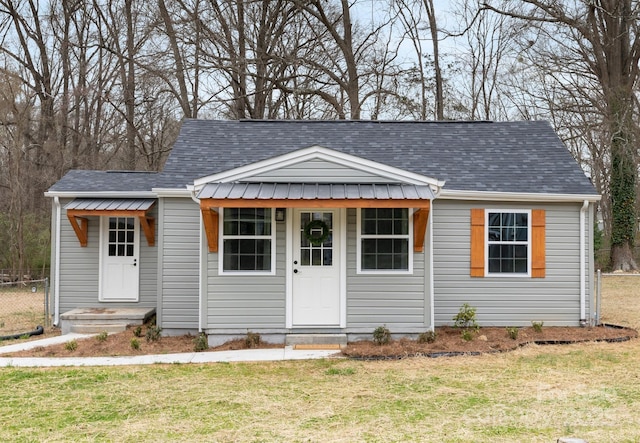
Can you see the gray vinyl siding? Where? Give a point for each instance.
(397, 301)
(80, 268)
(503, 301)
(242, 301)
(318, 171)
(180, 263)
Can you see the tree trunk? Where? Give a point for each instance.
(623, 184)
(433, 28)
(130, 87)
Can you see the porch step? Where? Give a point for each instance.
(97, 328)
(316, 339)
(89, 320)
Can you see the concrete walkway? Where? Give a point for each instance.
(247, 355)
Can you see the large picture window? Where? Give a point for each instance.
(247, 240)
(508, 242)
(384, 239)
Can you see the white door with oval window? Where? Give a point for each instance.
(316, 268)
(119, 253)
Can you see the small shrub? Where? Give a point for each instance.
(537, 325)
(1, 324)
(102, 337)
(513, 333)
(466, 318)
(138, 331)
(252, 340)
(200, 343)
(24, 336)
(381, 335)
(135, 343)
(427, 337)
(466, 335)
(153, 333)
(71, 345)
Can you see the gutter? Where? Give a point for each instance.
(56, 283)
(101, 194)
(200, 273)
(583, 272)
(451, 194)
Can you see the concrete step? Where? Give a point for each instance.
(316, 339)
(97, 328)
(90, 320)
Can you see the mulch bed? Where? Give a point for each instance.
(449, 341)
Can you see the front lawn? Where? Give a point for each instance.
(536, 393)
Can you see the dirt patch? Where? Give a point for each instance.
(124, 343)
(448, 342)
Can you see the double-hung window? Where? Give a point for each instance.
(508, 242)
(248, 242)
(384, 240)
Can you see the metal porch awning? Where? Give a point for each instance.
(289, 192)
(96, 205)
(80, 208)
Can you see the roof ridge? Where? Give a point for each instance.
(254, 120)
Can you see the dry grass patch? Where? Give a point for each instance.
(621, 300)
(533, 394)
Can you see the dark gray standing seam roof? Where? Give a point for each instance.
(110, 204)
(314, 191)
(524, 156)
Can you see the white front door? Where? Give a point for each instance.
(316, 268)
(119, 267)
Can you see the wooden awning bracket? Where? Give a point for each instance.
(210, 221)
(81, 227)
(80, 223)
(148, 225)
(420, 218)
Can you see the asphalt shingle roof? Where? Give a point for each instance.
(524, 156)
(106, 181)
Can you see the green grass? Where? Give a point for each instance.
(534, 394)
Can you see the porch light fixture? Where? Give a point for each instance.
(280, 214)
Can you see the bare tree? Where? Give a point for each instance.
(604, 37)
(485, 59)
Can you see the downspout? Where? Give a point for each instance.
(193, 197)
(56, 283)
(432, 296)
(583, 272)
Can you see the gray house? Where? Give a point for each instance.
(332, 227)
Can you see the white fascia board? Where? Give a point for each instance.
(448, 194)
(101, 194)
(172, 192)
(318, 153)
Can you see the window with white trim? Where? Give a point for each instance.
(247, 240)
(508, 242)
(384, 239)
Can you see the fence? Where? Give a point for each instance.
(24, 305)
(602, 257)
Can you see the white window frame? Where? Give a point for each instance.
(487, 243)
(360, 236)
(272, 238)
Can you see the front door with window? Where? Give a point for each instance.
(316, 268)
(119, 267)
